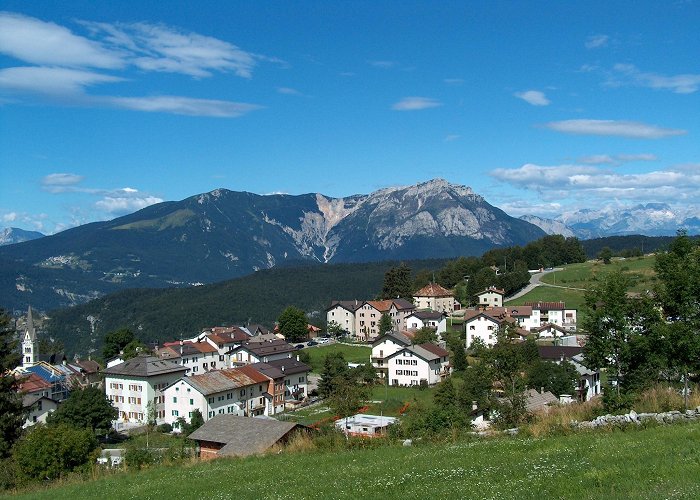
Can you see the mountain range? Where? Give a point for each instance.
(650, 219)
(225, 234)
(12, 235)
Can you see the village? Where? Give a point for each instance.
(246, 380)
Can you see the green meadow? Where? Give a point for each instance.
(654, 462)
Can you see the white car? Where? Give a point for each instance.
(322, 340)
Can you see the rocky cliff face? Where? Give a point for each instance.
(224, 234)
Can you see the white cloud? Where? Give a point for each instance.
(415, 103)
(120, 205)
(287, 91)
(628, 74)
(597, 41)
(383, 64)
(613, 128)
(588, 183)
(616, 159)
(38, 42)
(61, 182)
(184, 106)
(9, 217)
(534, 97)
(56, 81)
(452, 137)
(453, 81)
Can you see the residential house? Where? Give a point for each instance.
(132, 384)
(549, 331)
(365, 425)
(288, 381)
(43, 378)
(554, 312)
(491, 297)
(198, 357)
(427, 319)
(232, 435)
(342, 312)
(368, 316)
(260, 352)
(38, 408)
(226, 338)
(240, 391)
(435, 298)
(385, 346)
(589, 380)
(418, 365)
(539, 401)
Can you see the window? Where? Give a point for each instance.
(301, 380)
(174, 399)
(192, 401)
(38, 405)
(211, 400)
(242, 392)
(221, 358)
(175, 413)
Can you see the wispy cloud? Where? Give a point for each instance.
(383, 64)
(630, 75)
(613, 128)
(60, 182)
(68, 64)
(616, 159)
(534, 97)
(453, 81)
(184, 106)
(38, 42)
(415, 104)
(51, 81)
(597, 41)
(288, 91)
(452, 137)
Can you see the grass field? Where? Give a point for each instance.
(352, 353)
(657, 462)
(579, 277)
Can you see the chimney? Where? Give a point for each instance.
(541, 390)
(282, 368)
(182, 350)
(474, 406)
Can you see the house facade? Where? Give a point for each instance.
(435, 298)
(288, 381)
(260, 352)
(342, 312)
(238, 391)
(491, 297)
(131, 384)
(38, 408)
(427, 319)
(417, 365)
(385, 346)
(555, 313)
(368, 316)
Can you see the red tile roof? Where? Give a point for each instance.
(433, 290)
(33, 383)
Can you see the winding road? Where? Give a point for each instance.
(535, 282)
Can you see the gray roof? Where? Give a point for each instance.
(243, 436)
(144, 366)
(217, 381)
(273, 369)
(266, 348)
(398, 337)
(578, 362)
(29, 399)
(428, 351)
(426, 314)
(538, 400)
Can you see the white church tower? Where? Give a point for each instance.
(30, 345)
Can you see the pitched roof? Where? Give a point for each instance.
(88, 365)
(243, 436)
(273, 369)
(547, 306)
(29, 399)
(33, 383)
(400, 338)
(144, 366)
(548, 326)
(277, 346)
(225, 380)
(350, 305)
(227, 335)
(426, 315)
(433, 290)
(538, 400)
(557, 352)
(492, 289)
(428, 352)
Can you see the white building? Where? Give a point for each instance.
(240, 391)
(38, 408)
(198, 356)
(289, 381)
(418, 364)
(132, 384)
(365, 425)
(385, 346)
(430, 319)
(556, 313)
(342, 312)
(491, 297)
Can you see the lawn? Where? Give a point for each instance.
(657, 462)
(353, 354)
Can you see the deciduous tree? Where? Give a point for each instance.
(86, 408)
(293, 324)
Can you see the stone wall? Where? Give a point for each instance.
(633, 417)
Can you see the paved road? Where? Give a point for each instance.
(534, 282)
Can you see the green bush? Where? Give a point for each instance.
(165, 428)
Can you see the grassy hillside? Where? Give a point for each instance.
(657, 462)
(570, 283)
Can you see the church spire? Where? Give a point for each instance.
(30, 346)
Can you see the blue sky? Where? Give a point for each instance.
(541, 107)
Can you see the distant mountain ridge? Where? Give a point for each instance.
(650, 219)
(12, 235)
(225, 234)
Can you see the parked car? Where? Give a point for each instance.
(299, 346)
(311, 343)
(322, 340)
